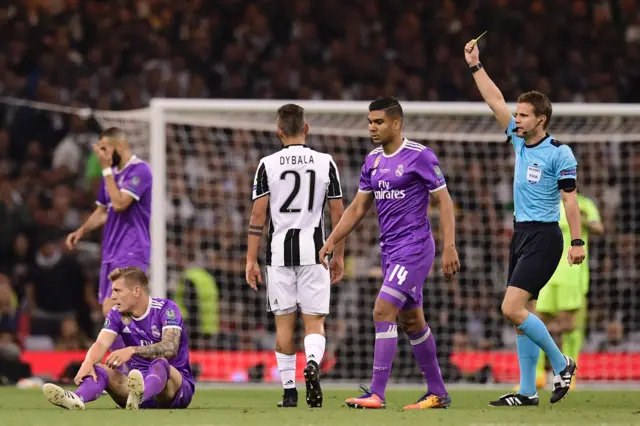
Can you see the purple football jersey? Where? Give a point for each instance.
(147, 330)
(401, 183)
(126, 234)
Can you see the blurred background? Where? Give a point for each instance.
(119, 54)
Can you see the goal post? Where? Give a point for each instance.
(470, 122)
(203, 154)
(471, 146)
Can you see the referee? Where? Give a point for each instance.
(545, 171)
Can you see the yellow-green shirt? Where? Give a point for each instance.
(566, 273)
(588, 212)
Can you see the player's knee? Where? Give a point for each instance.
(554, 328)
(384, 311)
(161, 360)
(511, 312)
(102, 367)
(506, 309)
(566, 323)
(162, 363)
(380, 313)
(314, 325)
(285, 347)
(411, 324)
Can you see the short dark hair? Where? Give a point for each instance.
(113, 133)
(540, 103)
(132, 273)
(290, 120)
(389, 105)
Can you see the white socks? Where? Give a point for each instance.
(287, 369)
(314, 345)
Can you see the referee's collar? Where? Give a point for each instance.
(296, 145)
(546, 136)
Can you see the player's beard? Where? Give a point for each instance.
(115, 159)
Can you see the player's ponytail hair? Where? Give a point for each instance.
(132, 273)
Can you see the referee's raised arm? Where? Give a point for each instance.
(490, 92)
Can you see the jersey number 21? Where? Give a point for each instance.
(296, 188)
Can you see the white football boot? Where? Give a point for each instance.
(135, 383)
(62, 398)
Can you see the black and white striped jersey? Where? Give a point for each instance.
(298, 181)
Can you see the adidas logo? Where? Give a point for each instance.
(126, 330)
(288, 382)
(312, 356)
(513, 401)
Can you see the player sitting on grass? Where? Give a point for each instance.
(155, 343)
(562, 303)
(124, 208)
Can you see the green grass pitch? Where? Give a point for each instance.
(229, 407)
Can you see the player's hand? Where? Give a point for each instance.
(119, 357)
(253, 275)
(472, 53)
(336, 267)
(73, 238)
(450, 263)
(105, 156)
(576, 255)
(326, 250)
(85, 370)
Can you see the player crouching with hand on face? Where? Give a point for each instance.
(156, 347)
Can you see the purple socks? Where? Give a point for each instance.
(156, 379)
(385, 351)
(424, 350)
(89, 389)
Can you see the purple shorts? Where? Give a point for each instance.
(181, 400)
(104, 289)
(405, 274)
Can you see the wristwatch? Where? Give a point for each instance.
(577, 242)
(476, 68)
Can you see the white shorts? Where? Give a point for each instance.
(289, 286)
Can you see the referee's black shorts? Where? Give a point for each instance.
(536, 249)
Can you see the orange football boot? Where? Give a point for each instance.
(367, 400)
(429, 400)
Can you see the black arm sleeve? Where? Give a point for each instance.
(567, 185)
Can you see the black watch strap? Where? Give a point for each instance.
(476, 68)
(577, 242)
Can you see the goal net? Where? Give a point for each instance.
(204, 154)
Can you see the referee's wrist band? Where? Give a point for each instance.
(577, 242)
(476, 68)
(106, 172)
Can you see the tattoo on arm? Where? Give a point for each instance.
(255, 230)
(167, 348)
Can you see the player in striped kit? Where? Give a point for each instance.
(294, 184)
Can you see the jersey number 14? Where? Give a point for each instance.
(401, 272)
(296, 188)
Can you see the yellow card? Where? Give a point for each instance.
(475, 40)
